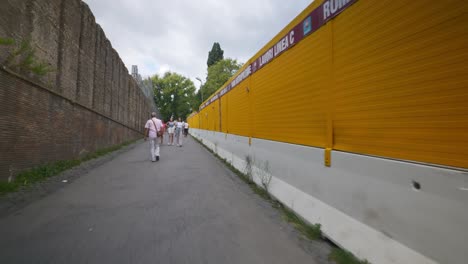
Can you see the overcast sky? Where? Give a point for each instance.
(176, 35)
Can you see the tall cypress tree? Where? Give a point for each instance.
(216, 54)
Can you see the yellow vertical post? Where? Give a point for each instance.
(249, 95)
(226, 125)
(249, 92)
(220, 115)
(329, 104)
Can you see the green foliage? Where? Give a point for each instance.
(174, 95)
(216, 54)
(341, 256)
(40, 68)
(23, 48)
(38, 174)
(28, 59)
(310, 231)
(7, 187)
(218, 74)
(23, 58)
(7, 41)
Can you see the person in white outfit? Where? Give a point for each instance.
(179, 125)
(153, 129)
(170, 129)
(186, 126)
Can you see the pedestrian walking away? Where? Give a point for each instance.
(152, 132)
(186, 127)
(178, 131)
(170, 130)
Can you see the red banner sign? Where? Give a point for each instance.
(315, 20)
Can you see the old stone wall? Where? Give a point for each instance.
(85, 101)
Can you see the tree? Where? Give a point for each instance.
(218, 74)
(216, 54)
(174, 95)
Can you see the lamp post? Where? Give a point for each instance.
(201, 84)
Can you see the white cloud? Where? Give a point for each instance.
(176, 35)
(163, 69)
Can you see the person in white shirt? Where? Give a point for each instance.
(178, 131)
(186, 126)
(170, 130)
(152, 132)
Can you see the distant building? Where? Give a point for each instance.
(145, 85)
(135, 73)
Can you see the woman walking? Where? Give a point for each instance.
(170, 129)
(186, 127)
(179, 125)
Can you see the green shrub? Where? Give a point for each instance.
(7, 41)
(40, 173)
(342, 256)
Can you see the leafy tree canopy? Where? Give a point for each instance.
(174, 95)
(218, 74)
(216, 54)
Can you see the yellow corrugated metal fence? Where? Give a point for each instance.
(385, 78)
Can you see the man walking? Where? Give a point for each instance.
(152, 131)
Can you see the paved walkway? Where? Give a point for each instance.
(186, 208)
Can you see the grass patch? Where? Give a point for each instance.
(312, 232)
(40, 68)
(38, 174)
(342, 256)
(7, 41)
(24, 58)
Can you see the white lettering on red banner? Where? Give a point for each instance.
(316, 19)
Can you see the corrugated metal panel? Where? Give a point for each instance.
(205, 118)
(193, 121)
(386, 78)
(215, 120)
(278, 36)
(401, 80)
(202, 118)
(224, 113)
(290, 94)
(239, 109)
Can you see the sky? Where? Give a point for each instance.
(176, 35)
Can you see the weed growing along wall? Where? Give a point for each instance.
(69, 93)
(381, 91)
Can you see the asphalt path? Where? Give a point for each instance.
(186, 208)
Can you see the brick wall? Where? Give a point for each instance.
(88, 102)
